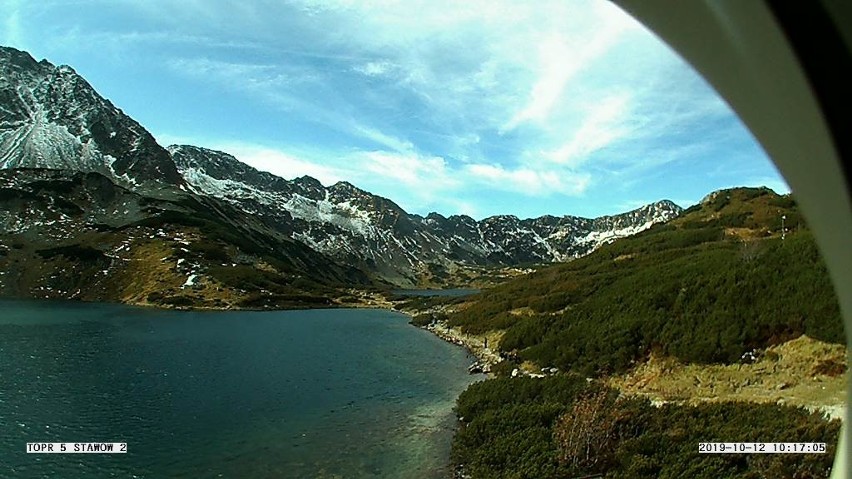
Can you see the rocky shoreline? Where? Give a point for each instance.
(818, 392)
(486, 357)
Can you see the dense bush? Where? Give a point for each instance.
(275, 301)
(420, 303)
(209, 250)
(74, 252)
(683, 289)
(176, 300)
(562, 426)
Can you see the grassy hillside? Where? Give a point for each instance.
(707, 287)
(71, 235)
(647, 315)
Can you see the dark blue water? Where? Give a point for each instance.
(301, 394)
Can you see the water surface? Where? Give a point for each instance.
(321, 393)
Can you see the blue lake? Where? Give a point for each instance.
(346, 393)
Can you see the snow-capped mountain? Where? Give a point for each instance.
(357, 227)
(52, 119)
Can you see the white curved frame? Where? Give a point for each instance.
(738, 46)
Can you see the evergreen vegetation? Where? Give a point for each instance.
(696, 288)
(706, 287)
(269, 289)
(74, 251)
(565, 427)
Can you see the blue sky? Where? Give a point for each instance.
(480, 107)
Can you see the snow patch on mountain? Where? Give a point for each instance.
(52, 118)
(350, 224)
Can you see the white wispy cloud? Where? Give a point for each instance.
(268, 82)
(375, 68)
(603, 124)
(14, 35)
(410, 169)
(282, 162)
(527, 181)
(560, 60)
(388, 141)
(119, 40)
(414, 99)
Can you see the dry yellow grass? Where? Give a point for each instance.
(802, 372)
(145, 272)
(745, 234)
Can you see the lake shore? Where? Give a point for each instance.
(390, 400)
(684, 383)
(475, 345)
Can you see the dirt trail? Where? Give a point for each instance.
(475, 344)
(801, 372)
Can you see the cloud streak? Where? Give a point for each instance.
(12, 13)
(432, 102)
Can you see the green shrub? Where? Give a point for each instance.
(210, 251)
(73, 252)
(562, 426)
(701, 303)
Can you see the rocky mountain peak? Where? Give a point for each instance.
(308, 182)
(17, 59)
(345, 188)
(435, 217)
(54, 119)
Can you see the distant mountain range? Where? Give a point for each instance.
(76, 172)
(359, 228)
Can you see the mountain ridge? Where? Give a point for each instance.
(54, 119)
(380, 234)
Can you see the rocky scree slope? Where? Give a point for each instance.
(65, 151)
(374, 233)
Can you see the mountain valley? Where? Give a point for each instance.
(87, 192)
(614, 343)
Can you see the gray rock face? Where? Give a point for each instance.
(52, 119)
(374, 233)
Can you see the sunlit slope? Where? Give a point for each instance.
(708, 286)
(72, 235)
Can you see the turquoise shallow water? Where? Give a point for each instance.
(301, 394)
